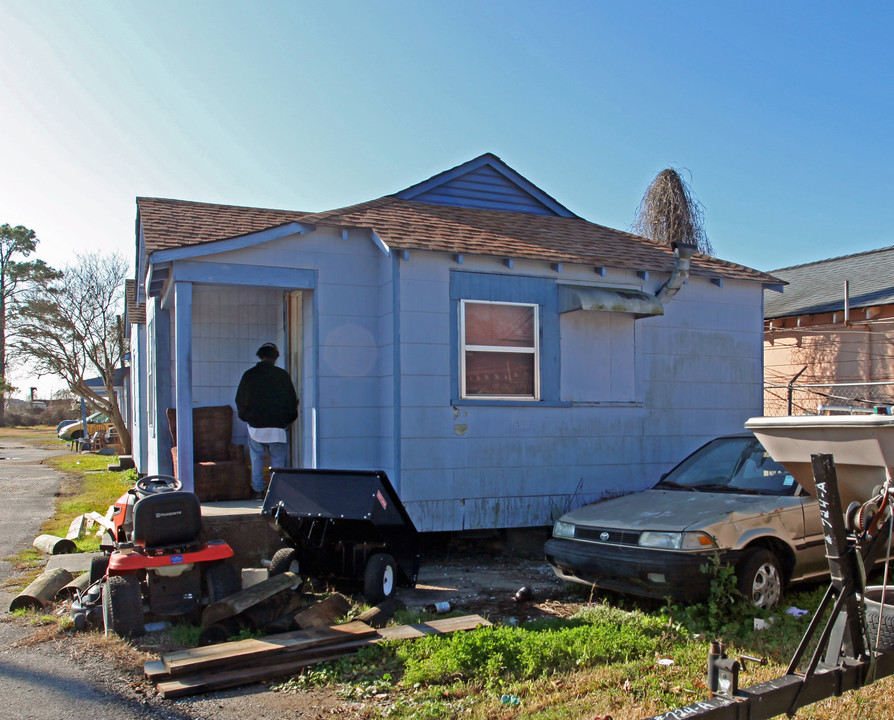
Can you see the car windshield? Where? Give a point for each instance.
(734, 464)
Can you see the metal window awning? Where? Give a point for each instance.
(586, 297)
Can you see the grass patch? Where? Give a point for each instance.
(604, 660)
(89, 487)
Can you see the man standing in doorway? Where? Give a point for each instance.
(267, 402)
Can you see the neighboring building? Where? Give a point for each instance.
(830, 334)
(502, 359)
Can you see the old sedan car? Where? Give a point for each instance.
(97, 422)
(729, 497)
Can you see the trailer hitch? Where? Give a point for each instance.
(723, 671)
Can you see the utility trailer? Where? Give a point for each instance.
(348, 527)
(854, 646)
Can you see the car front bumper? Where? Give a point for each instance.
(633, 570)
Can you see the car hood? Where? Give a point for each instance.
(674, 510)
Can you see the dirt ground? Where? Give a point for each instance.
(86, 668)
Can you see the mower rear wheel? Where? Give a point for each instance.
(122, 606)
(221, 580)
(379, 578)
(284, 560)
(98, 566)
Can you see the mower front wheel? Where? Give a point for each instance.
(284, 560)
(122, 606)
(379, 578)
(221, 580)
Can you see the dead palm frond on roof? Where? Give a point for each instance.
(670, 213)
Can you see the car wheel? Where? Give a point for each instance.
(122, 606)
(759, 578)
(284, 560)
(221, 580)
(379, 578)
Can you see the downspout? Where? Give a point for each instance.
(682, 255)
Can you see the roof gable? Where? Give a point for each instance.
(485, 183)
(818, 287)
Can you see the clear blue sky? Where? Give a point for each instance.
(782, 112)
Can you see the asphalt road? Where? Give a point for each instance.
(35, 682)
(27, 489)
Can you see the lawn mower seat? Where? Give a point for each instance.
(166, 519)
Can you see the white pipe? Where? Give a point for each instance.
(682, 255)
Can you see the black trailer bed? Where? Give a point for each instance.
(337, 519)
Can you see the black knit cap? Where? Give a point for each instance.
(268, 350)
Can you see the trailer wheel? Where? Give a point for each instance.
(98, 566)
(379, 578)
(221, 580)
(284, 560)
(122, 606)
(760, 578)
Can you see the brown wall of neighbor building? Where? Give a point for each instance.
(826, 349)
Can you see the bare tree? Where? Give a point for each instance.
(17, 276)
(669, 213)
(71, 328)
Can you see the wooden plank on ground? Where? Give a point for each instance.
(248, 669)
(253, 648)
(324, 613)
(379, 615)
(440, 626)
(76, 529)
(100, 520)
(206, 682)
(108, 523)
(244, 599)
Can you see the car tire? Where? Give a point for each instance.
(284, 560)
(379, 578)
(122, 606)
(759, 578)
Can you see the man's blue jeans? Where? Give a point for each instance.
(257, 451)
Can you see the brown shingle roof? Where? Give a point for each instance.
(136, 314)
(171, 224)
(406, 224)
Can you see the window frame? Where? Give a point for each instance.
(533, 350)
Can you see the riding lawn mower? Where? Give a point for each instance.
(154, 562)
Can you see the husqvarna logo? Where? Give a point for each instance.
(604, 536)
(173, 513)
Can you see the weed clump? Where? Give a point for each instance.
(494, 654)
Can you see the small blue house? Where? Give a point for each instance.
(501, 358)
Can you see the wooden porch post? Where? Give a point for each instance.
(183, 389)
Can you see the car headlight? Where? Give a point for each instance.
(676, 541)
(563, 529)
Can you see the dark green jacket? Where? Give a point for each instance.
(266, 397)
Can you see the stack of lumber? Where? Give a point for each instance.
(240, 662)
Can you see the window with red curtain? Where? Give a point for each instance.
(500, 357)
